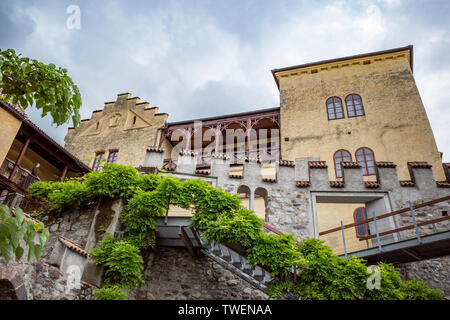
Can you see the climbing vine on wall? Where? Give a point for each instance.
(222, 218)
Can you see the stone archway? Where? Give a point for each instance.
(12, 286)
(7, 291)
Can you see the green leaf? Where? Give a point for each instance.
(7, 251)
(19, 252)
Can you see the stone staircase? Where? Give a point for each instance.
(235, 262)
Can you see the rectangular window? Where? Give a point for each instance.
(112, 158)
(97, 162)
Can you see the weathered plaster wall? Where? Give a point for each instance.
(394, 113)
(124, 125)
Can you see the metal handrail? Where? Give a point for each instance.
(386, 215)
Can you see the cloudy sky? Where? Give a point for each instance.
(203, 58)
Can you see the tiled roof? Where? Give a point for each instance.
(419, 164)
(371, 184)
(302, 184)
(317, 164)
(385, 164)
(350, 164)
(337, 184)
(73, 246)
(286, 163)
(16, 106)
(407, 183)
(443, 184)
(18, 111)
(155, 149)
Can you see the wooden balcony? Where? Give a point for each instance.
(21, 177)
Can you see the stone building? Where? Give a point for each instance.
(334, 161)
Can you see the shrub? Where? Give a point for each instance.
(113, 180)
(122, 262)
(242, 226)
(110, 293)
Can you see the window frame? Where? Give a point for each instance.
(96, 165)
(114, 152)
(365, 161)
(366, 230)
(334, 108)
(362, 106)
(334, 160)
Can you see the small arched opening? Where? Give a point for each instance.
(261, 203)
(7, 291)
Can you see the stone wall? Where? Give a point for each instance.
(172, 274)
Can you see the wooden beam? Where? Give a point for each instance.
(19, 158)
(63, 175)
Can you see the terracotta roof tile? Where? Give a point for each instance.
(407, 183)
(443, 184)
(419, 164)
(156, 149)
(350, 164)
(73, 246)
(371, 184)
(286, 163)
(385, 164)
(317, 164)
(302, 184)
(337, 184)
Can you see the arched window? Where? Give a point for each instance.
(338, 157)
(354, 105)
(334, 108)
(360, 214)
(366, 159)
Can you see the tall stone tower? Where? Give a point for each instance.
(363, 108)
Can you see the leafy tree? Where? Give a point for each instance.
(29, 82)
(14, 228)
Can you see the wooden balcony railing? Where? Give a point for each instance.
(22, 177)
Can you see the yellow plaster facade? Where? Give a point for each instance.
(8, 130)
(395, 125)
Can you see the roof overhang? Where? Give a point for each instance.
(325, 63)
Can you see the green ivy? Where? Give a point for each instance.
(110, 293)
(221, 218)
(122, 262)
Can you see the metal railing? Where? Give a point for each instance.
(407, 226)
